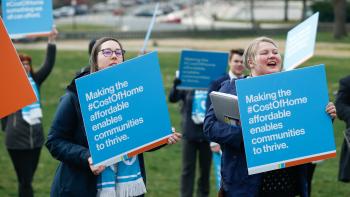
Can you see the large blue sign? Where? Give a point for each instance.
(27, 17)
(199, 68)
(284, 120)
(300, 43)
(124, 109)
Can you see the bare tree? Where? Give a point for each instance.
(286, 5)
(339, 28)
(252, 16)
(192, 14)
(303, 12)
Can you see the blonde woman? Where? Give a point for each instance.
(261, 57)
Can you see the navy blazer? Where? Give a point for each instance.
(215, 86)
(234, 172)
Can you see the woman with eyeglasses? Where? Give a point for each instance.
(24, 130)
(67, 142)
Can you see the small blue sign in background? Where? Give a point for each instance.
(124, 108)
(283, 117)
(300, 43)
(27, 17)
(199, 68)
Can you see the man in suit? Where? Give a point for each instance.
(236, 71)
(195, 146)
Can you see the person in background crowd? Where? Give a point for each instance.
(342, 104)
(261, 57)
(67, 142)
(194, 142)
(236, 71)
(24, 129)
(87, 67)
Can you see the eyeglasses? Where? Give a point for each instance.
(109, 52)
(25, 64)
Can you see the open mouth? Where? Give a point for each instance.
(272, 63)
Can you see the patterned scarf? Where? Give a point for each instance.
(198, 106)
(32, 113)
(121, 180)
(217, 168)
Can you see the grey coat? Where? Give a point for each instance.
(19, 134)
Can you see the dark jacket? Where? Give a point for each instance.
(191, 131)
(67, 143)
(235, 179)
(19, 134)
(342, 104)
(215, 86)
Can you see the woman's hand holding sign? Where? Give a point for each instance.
(175, 137)
(331, 110)
(95, 170)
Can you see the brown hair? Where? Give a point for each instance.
(235, 51)
(250, 51)
(96, 48)
(24, 57)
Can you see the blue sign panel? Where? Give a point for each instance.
(300, 44)
(124, 108)
(27, 17)
(283, 119)
(199, 68)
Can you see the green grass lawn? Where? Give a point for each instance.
(163, 166)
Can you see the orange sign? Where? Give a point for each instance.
(15, 88)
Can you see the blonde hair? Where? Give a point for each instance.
(251, 50)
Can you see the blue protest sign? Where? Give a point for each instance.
(199, 68)
(300, 43)
(217, 169)
(27, 17)
(283, 119)
(124, 109)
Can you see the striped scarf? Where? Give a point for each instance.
(32, 113)
(198, 106)
(121, 180)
